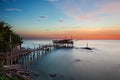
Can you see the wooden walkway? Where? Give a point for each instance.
(13, 58)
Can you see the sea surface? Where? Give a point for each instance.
(100, 63)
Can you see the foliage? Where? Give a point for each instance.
(8, 38)
(4, 77)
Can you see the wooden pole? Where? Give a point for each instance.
(87, 44)
(11, 50)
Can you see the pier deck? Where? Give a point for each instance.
(11, 57)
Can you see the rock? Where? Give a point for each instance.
(78, 60)
(56, 76)
(87, 48)
(53, 75)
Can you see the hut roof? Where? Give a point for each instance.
(63, 41)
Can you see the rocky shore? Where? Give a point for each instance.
(17, 71)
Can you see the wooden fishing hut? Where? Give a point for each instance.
(63, 43)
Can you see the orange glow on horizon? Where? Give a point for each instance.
(82, 33)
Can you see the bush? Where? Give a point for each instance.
(8, 38)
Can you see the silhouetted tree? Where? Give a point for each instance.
(5, 35)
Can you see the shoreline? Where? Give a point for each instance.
(18, 71)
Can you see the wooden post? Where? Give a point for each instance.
(11, 50)
(87, 44)
(7, 59)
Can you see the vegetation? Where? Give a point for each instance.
(8, 38)
(4, 77)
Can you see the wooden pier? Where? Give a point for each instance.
(24, 56)
(13, 58)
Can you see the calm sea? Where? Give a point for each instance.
(101, 63)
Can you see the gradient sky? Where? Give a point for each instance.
(82, 19)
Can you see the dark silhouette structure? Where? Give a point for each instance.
(68, 43)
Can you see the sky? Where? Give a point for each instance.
(79, 19)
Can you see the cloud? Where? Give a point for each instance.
(43, 17)
(13, 9)
(83, 17)
(93, 11)
(39, 20)
(109, 10)
(111, 7)
(70, 8)
(60, 21)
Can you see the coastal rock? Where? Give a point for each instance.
(78, 60)
(87, 48)
(53, 75)
(56, 76)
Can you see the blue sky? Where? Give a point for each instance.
(43, 18)
(27, 12)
